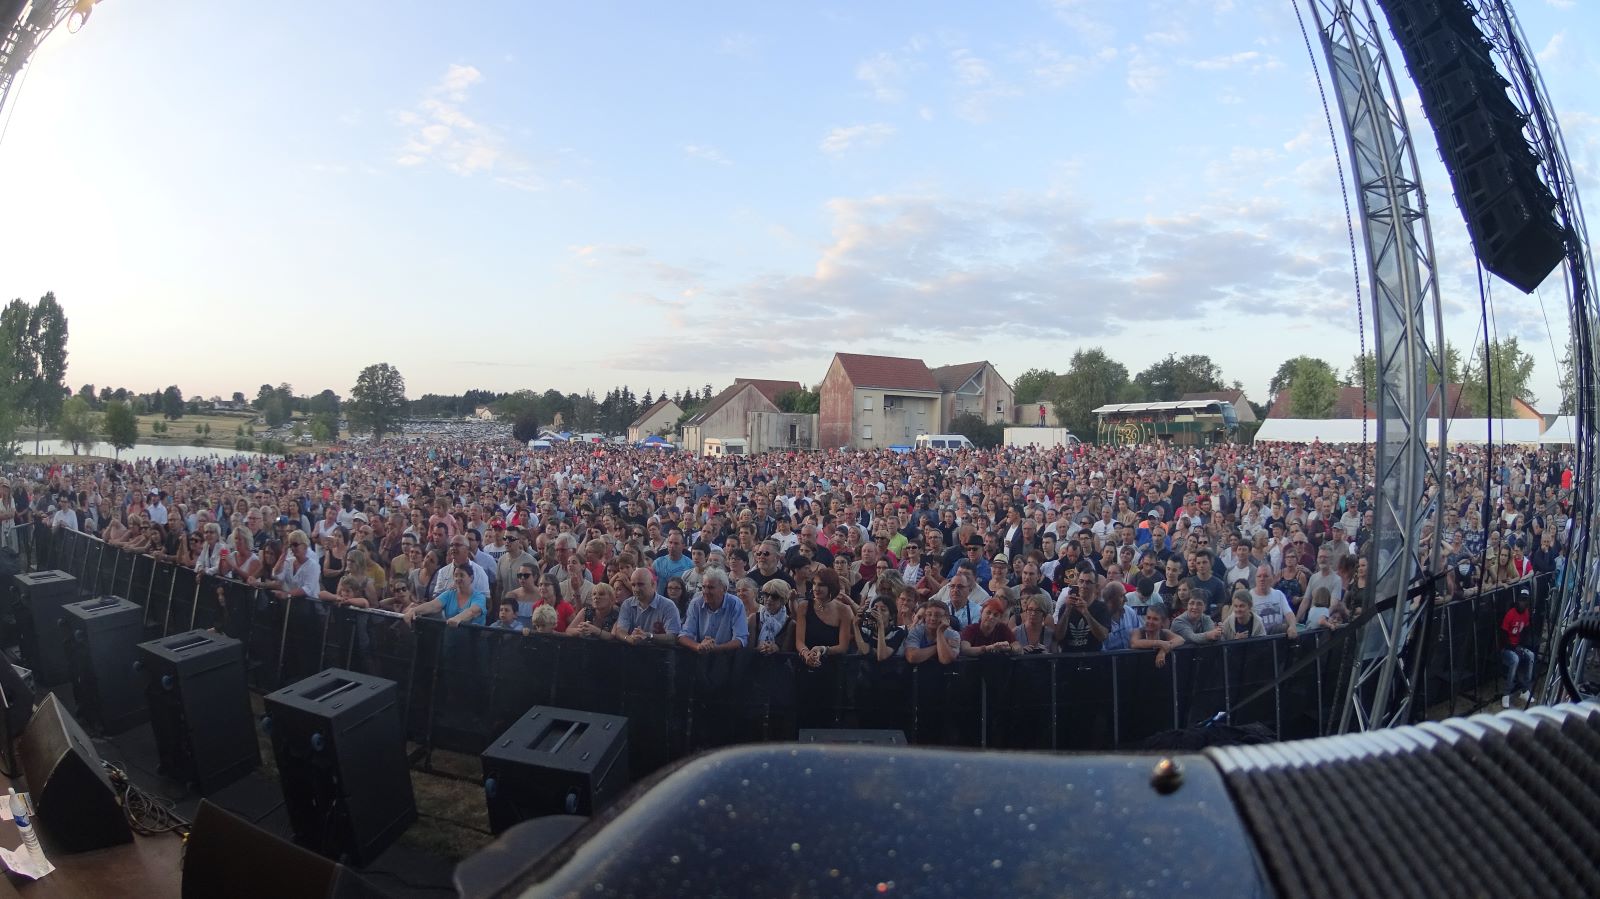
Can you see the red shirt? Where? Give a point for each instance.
(973, 634)
(1513, 624)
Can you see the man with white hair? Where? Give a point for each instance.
(714, 623)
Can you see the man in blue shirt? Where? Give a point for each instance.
(1124, 620)
(647, 616)
(674, 563)
(714, 624)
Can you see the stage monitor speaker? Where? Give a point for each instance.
(99, 637)
(194, 684)
(856, 736)
(74, 804)
(341, 755)
(40, 598)
(228, 856)
(16, 707)
(554, 762)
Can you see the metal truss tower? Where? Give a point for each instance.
(1382, 663)
(20, 34)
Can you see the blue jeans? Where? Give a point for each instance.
(1519, 668)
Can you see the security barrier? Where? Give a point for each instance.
(462, 686)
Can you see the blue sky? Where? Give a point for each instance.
(582, 195)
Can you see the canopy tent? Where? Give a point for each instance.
(1349, 430)
(1562, 432)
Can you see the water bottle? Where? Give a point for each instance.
(19, 814)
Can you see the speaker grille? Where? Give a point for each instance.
(1505, 804)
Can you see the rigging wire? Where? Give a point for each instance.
(16, 97)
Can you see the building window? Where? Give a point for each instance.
(794, 433)
(866, 404)
(866, 432)
(999, 405)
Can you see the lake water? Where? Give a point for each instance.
(138, 450)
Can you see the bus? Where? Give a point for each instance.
(1181, 422)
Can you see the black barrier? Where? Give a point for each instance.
(460, 687)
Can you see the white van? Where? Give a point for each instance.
(726, 446)
(943, 442)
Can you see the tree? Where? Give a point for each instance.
(378, 400)
(77, 424)
(982, 434)
(805, 402)
(1497, 377)
(1032, 386)
(1286, 373)
(325, 426)
(36, 337)
(526, 425)
(1313, 388)
(264, 395)
(88, 394)
(1091, 380)
(1172, 377)
(172, 403)
(324, 403)
(120, 425)
(238, 398)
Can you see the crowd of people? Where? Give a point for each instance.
(931, 555)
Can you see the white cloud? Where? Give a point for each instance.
(969, 69)
(1092, 29)
(707, 153)
(885, 74)
(1254, 60)
(927, 268)
(851, 137)
(1145, 73)
(1553, 49)
(1562, 4)
(1054, 69)
(739, 44)
(443, 133)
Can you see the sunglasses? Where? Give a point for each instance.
(522, 576)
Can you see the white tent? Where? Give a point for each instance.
(1562, 432)
(1349, 430)
(1308, 430)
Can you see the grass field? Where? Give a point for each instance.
(184, 431)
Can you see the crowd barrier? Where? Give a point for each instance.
(460, 687)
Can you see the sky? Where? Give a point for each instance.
(577, 196)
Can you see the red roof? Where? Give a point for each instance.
(952, 377)
(887, 372)
(770, 389)
(1352, 404)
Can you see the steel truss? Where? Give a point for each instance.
(1383, 663)
(19, 39)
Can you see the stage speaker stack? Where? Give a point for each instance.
(100, 638)
(340, 748)
(74, 804)
(40, 598)
(554, 762)
(861, 737)
(194, 685)
(1510, 213)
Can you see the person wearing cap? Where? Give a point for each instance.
(974, 555)
(1514, 654)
